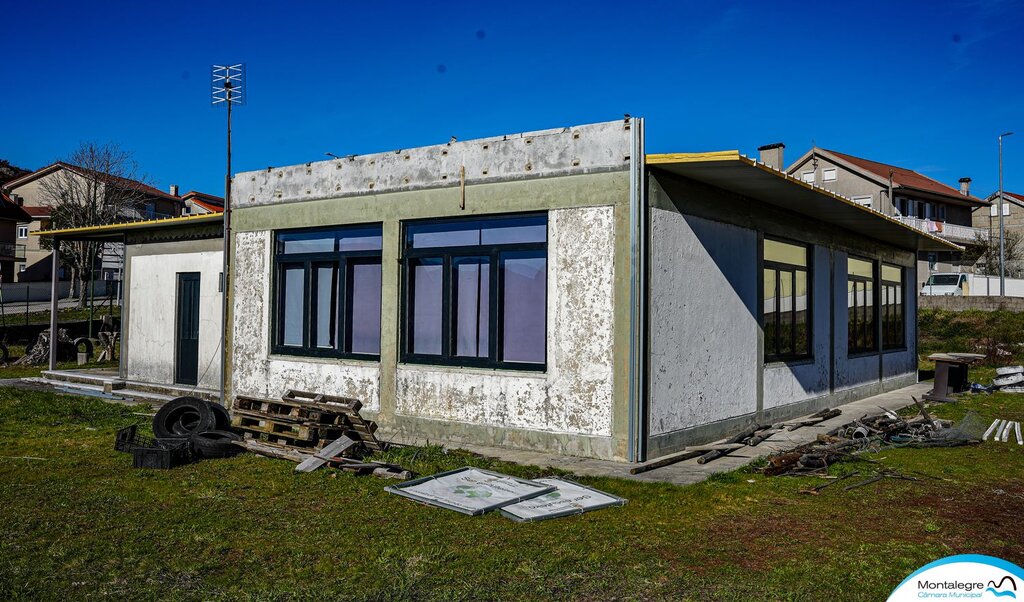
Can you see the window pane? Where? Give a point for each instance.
(472, 305)
(425, 284)
(782, 252)
(428, 236)
(770, 316)
(859, 267)
(801, 316)
(360, 239)
(869, 317)
(891, 273)
(498, 231)
(785, 313)
(363, 295)
(528, 229)
(292, 298)
(306, 242)
(851, 304)
(524, 306)
(326, 290)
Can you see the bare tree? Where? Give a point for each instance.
(99, 184)
(983, 254)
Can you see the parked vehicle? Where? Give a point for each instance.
(956, 285)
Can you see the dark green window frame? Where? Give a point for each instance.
(893, 307)
(308, 268)
(788, 330)
(862, 319)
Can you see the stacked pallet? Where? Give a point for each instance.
(304, 420)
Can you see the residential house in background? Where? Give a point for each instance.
(987, 218)
(903, 194)
(12, 237)
(200, 203)
(28, 192)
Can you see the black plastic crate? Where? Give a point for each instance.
(153, 453)
(162, 453)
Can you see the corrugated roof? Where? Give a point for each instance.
(110, 231)
(731, 171)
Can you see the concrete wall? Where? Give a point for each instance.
(979, 303)
(707, 374)
(703, 350)
(150, 304)
(578, 176)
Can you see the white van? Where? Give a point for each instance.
(946, 285)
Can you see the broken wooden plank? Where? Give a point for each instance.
(321, 457)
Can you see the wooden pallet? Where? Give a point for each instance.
(305, 419)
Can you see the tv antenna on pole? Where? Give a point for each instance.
(228, 88)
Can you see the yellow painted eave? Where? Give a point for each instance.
(124, 226)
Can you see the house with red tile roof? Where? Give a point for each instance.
(1012, 208)
(200, 203)
(27, 194)
(901, 193)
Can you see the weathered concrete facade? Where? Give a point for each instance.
(708, 374)
(577, 176)
(652, 308)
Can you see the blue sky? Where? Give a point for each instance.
(925, 85)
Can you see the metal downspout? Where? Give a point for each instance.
(637, 448)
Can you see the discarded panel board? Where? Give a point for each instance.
(470, 490)
(569, 498)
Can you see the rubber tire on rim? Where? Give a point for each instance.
(88, 346)
(215, 444)
(222, 416)
(171, 413)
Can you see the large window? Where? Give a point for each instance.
(787, 301)
(476, 292)
(893, 331)
(860, 304)
(327, 292)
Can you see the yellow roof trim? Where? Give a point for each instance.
(728, 155)
(206, 217)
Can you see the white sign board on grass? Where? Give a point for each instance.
(470, 490)
(567, 499)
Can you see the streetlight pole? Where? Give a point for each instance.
(1002, 246)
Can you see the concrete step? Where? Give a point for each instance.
(102, 380)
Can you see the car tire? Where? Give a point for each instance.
(183, 417)
(216, 444)
(86, 343)
(223, 418)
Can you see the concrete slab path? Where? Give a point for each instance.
(689, 472)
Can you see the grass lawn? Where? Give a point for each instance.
(70, 314)
(83, 524)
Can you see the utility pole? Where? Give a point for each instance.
(1002, 249)
(228, 89)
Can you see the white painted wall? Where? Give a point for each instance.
(152, 310)
(703, 321)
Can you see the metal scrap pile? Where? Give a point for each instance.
(873, 434)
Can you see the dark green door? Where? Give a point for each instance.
(186, 344)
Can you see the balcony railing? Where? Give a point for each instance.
(952, 232)
(9, 249)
